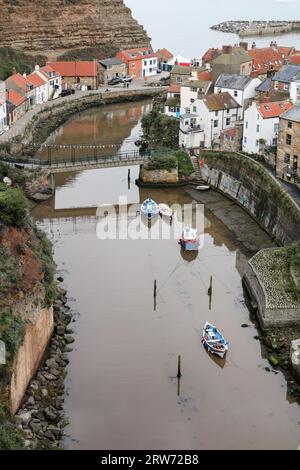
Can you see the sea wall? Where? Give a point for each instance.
(37, 336)
(158, 176)
(251, 186)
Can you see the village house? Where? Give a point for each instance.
(163, 57)
(53, 81)
(282, 80)
(266, 93)
(232, 60)
(209, 56)
(40, 86)
(111, 68)
(295, 91)
(3, 108)
(240, 87)
(140, 62)
(83, 75)
(180, 74)
(16, 106)
(261, 126)
(24, 87)
(172, 105)
(190, 91)
(266, 61)
(288, 152)
(208, 118)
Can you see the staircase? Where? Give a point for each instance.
(197, 180)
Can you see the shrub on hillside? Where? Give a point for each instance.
(13, 207)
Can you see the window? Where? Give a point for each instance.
(290, 125)
(216, 123)
(286, 87)
(227, 111)
(246, 124)
(186, 123)
(171, 109)
(154, 61)
(194, 89)
(133, 65)
(287, 158)
(227, 121)
(192, 100)
(235, 93)
(274, 142)
(51, 82)
(245, 140)
(295, 162)
(257, 128)
(216, 113)
(276, 127)
(150, 62)
(288, 139)
(258, 116)
(194, 109)
(145, 63)
(178, 79)
(257, 143)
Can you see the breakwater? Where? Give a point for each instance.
(257, 28)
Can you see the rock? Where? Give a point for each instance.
(69, 339)
(51, 414)
(27, 443)
(60, 330)
(49, 376)
(36, 427)
(55, 372)
(60, 279)
(28, 434)
(30, 401)
(273, 359)
(65, 357)
(55, 430)
(244, 325)
(69, 330)
(24, 417)
(295, 358)
(51, 363)
(49, 435)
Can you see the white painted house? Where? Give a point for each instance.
(53, 80)
(295, 92)
(261, 125)
(39, 84)
(149, 65)
(3, 108)
(190, 91)
(172, 105)
(240, 87)
(208, 117)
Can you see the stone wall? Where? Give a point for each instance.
(253, 187)
(37, 336)
(158, 176)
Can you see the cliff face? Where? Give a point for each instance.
(51, 27)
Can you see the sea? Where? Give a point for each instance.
(183, 27)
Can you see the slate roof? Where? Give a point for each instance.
(110, 62)
(205, 85)
(287, 74)
(181, 70)
(265, 86)
(234, 81)
(220, 101)
(237, 56)
(292, 114)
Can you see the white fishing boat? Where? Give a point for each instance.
(203, 187)
(189, 239)
(149, 208)
(165, 210)
(213, 340)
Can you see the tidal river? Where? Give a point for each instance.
(122, 391)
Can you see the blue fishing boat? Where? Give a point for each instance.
(149, 208)
(213, 340)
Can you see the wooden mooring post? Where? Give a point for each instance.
(179, 367)
(209, 292)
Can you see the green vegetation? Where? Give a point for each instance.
(185, 166)
(89, 53)
(13, 207)
(170, 160)
(9, 437)
(161, 130)
(11, 59)
(161, 162)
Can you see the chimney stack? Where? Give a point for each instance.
(37, 68)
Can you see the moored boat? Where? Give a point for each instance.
(165, 210)
(213, 340)
(189, 239)
(203, 187)
(149, 208)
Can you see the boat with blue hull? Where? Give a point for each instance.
(189, 240)
(213, 340)
(149, 208)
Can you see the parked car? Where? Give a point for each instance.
(127, 79)
(114, 81)
(66, 92)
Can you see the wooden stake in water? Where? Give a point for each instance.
(128, 176)
(155, 288)
(179, 367)
(209, 292)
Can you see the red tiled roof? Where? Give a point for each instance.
(275, 109)
(164, 53)
(174, 89)
(285, 51)
(15, 98)
(20, 81)
(75, 69)
(205, 75)
(294, 59)
(36, 80)
(211, 54)
(264, 59)
(138, 53)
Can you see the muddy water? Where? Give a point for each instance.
(122, 389)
